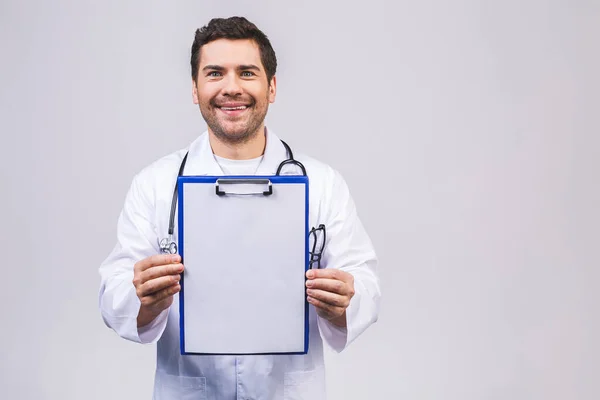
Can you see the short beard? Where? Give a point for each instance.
(245, 136)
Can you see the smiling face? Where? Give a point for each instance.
(232, 89)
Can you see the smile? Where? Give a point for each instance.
(233, 108)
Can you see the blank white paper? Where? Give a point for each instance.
(245, 257)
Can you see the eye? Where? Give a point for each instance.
(247, 74)
(214, 73)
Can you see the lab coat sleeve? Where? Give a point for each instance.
(136, 240)
(349, 248)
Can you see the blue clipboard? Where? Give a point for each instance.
(221, 311)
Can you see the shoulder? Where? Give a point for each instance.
(329, 194)
(161, 168)
(326, 180)
(164, 165)
(153, 179)
(318, 170)
(167, 166)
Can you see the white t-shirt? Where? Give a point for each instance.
(238, 167)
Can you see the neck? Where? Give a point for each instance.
(247, 150)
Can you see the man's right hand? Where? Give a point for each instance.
(156, 280)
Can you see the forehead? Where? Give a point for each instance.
(226, 52)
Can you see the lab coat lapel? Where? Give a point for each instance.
(274, 154)
(201, 160)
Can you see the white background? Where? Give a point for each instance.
(468, 134)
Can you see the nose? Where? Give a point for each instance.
(231, 86)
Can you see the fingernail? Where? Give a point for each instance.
(309, 292)
(310, 274)
(309, 283)
(175, 258)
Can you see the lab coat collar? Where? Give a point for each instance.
(201, 160)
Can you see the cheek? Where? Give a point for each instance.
(203, 97)
(205, 94)
(257, 90)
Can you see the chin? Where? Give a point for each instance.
(234, 135)
(235, 132)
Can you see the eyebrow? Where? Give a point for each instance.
(249, 66)
(239, 67)
(213, 67)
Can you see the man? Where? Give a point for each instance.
(233, 82)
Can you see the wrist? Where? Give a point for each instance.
(145, 317)
(340, 321)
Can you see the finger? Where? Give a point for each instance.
(331, 299)
(155, 299)
(329, 285)
(161, 270)
(157, 259)
(156, 285)
(325, 309)
(329, 273)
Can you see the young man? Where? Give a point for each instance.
(233, 83)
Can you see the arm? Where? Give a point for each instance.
(119, 299)
(349, 250)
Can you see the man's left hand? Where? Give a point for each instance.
(330, 291)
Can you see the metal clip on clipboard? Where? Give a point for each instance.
(249, 181)
(258, 181)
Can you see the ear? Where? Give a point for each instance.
(195, 92)
(272, 89)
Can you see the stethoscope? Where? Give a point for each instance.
(168, 245)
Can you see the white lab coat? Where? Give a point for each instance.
(144, 221)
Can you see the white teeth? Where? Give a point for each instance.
(234, 108)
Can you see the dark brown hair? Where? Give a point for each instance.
(234, 28)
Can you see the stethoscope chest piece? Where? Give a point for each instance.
(168, 245)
